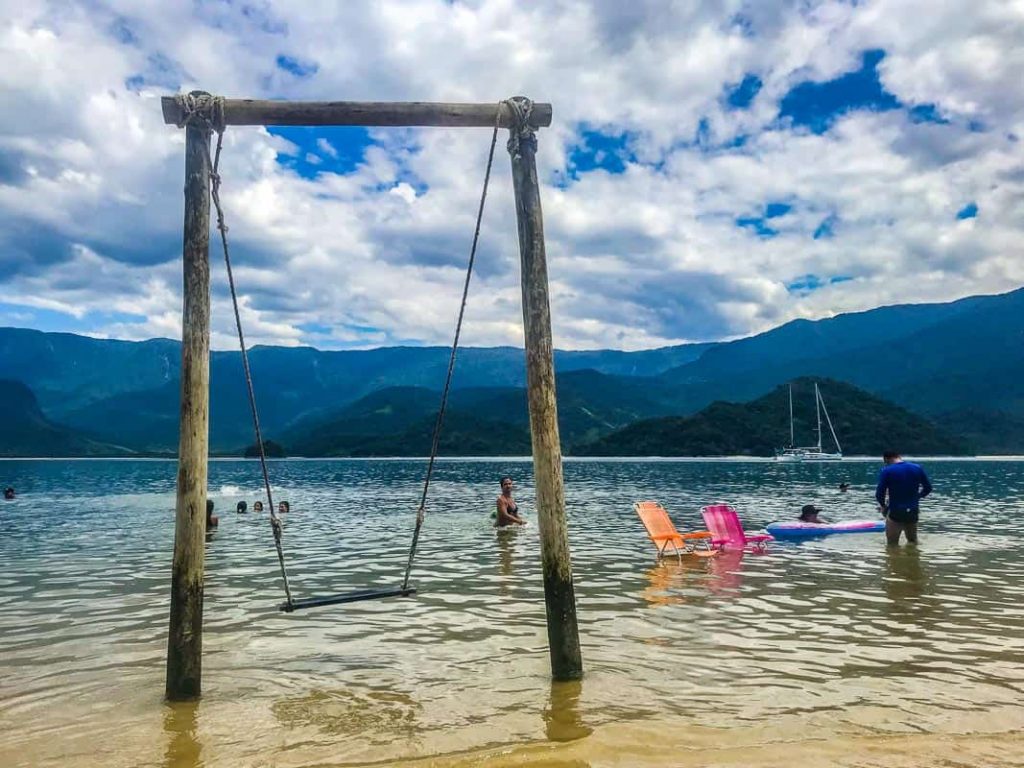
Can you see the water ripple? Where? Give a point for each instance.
(840, 632)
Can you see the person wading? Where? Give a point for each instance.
(508, 510)
(901, 486)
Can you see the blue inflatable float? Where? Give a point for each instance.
(799, 530)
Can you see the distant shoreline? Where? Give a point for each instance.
(580, 459)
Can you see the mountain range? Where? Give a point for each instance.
(957, 364)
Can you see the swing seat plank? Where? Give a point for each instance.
(346, 597)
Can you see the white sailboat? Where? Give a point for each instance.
(814, 452)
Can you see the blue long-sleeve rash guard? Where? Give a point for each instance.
(906, 483)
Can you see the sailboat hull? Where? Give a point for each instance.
(796, 455)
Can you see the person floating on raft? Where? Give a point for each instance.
(809, 514)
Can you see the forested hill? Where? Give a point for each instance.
(864, 425)
(25, 431)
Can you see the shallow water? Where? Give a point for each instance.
(830, 652)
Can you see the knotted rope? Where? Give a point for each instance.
(520, 130)
(202, 108)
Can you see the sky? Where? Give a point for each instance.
(713, 169)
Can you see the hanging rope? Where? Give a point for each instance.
(207, 112)
(421, 511)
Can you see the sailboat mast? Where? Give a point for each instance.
(792, 434)
(831, 429)
(817, 408)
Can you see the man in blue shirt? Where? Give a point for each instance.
(906, 484)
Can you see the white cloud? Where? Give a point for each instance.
(90, 178)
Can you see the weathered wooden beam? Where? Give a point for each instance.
(185, 637)
(367, 113)
(559, 594)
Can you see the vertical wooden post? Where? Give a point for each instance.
(559, 595)
(185, 639)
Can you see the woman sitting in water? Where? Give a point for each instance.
(809, 514)
(508, 510)
(257, 506)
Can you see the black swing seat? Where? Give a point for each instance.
(346, 597)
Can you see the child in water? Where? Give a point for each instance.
(211, 519)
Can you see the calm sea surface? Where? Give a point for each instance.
(831, 652)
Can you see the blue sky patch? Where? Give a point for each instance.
(756, 224)
(121, 31)
(826, 229)
(598, 150)
(330, 149)
(809, 283)
(759, 224)
(297, 67)
(742, 94)
(816, 105)
(926, 113)
(969, 211)
(60, 322)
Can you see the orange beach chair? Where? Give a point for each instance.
(664, 534)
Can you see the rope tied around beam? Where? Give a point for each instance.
(201, 109)
(521, 130)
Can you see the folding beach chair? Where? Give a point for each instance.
(664, 534)
(727, 531)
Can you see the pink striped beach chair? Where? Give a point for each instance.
(728, 533)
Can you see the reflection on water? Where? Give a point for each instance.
(183, 747)
(727, 571)
(735, 659)
(562, 718)
(906, 577)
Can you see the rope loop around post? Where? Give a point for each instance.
(521, 130)
(201, 109)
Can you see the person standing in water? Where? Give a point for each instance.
(508, 510)
(211, 519)
(901, 486)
